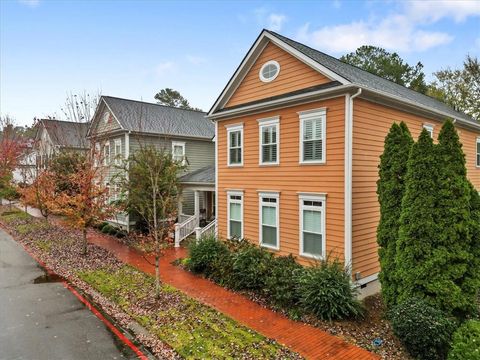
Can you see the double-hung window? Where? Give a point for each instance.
(313, 136)
(269, 231)
(429, 129)
(312, 225)
(118, 151)
(106, 153)
(235, 144)
(269, 141)
(178, 151)
(235, 214)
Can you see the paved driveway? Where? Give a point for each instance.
(44, 320)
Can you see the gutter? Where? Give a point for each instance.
(348, 174)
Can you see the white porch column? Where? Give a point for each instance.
(180, 206)
(197, 206)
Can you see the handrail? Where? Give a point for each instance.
(185, 229)
(207, 230)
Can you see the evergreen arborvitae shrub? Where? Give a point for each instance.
(418, 227)
(449, 286)
(390, 190)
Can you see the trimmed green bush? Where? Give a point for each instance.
(326, 291)
(113, 231)
(107, 228)
(425, 331)
(390, 190)
(418, 224)
(204, 253)
(281, 282)
(251, 265)
(466, 342)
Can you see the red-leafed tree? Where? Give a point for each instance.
(10, 147)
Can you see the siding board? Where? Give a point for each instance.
(285, 178)
(294, 75)
(371, 124)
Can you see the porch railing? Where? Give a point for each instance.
(185, 229)
(208, 230)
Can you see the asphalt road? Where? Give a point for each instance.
(44, 320)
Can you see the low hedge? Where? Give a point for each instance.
(466, 342)
(425, 331)
(324, 290)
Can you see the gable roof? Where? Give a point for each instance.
(144, 117)
(66, 134)
(343, 74)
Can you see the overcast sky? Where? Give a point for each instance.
(132, 49)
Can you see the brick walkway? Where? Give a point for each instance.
(310, 342)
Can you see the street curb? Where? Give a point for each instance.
(76, 292)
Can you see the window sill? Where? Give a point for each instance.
(311, 256)
(269, 164)
(312, 163)
(235, 165)
(270, 247)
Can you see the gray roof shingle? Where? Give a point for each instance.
(205, 175)
(66, 133)
(152, 118)
(370, 81)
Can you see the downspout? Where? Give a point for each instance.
(216, 178)
(348, 176)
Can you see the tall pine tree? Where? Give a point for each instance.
(418, 228)
(390, 190)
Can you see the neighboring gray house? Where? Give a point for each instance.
(121, 126)
(54, 135)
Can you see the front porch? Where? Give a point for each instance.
(203, 222)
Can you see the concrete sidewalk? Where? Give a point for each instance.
(43, 320)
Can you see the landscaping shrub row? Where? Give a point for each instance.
(324, 290)
(106, 228)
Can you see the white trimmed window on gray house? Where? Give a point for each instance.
(235, 144)
(269, 226)
(178, 151)
(312, 225)
(313, 136)
(118, 151)
(269, 135)
(235, 214)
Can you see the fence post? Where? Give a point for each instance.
(198, 233)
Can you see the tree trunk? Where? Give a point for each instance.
(84, 242)
(157, 275)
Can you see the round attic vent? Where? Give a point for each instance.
(269, 71)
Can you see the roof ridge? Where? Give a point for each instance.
(65, 121)
(363, 70)
(150, 103)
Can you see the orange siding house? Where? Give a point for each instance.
(298, 140)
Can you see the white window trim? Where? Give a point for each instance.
(476, 152)
(429, 128)
(260, 73)
(234, 193)
(97, 154)
(265, 123)
(312, 197)
(308, 115)
(117, 142)
(182, 144)
(233, 128)
(274, 195)
(106, 160)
